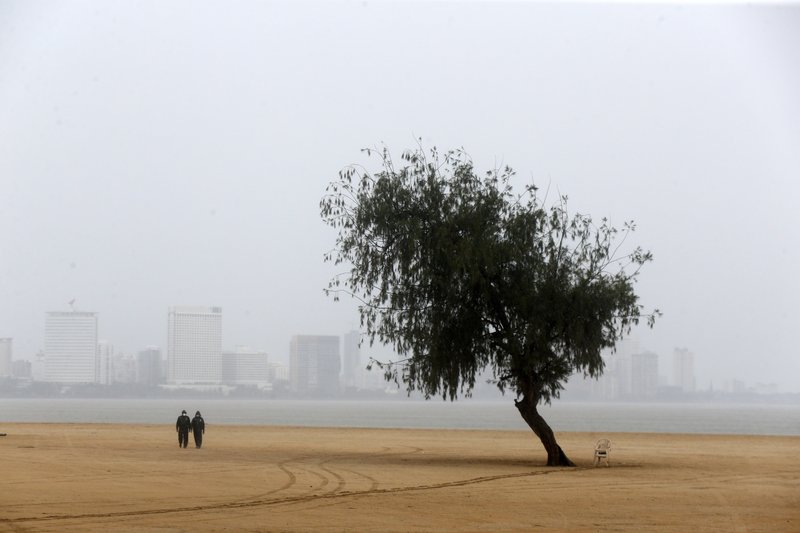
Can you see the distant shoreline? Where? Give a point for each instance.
(42, 390)
(731, 419)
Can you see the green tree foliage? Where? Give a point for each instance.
(460, 274)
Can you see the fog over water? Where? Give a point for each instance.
(566, 416)
(174, 153)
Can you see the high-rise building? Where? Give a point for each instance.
(620, 379)
(615, 382)
(644, 375)
(104, 363)
(21, 369)
(5, 357)
(277, 373)
(37, 366)
(245, 366)
(125, 368)
(70, 347)
(683, 369)
(148, 366)
(314, 364)
(194, 345)
(352, 361)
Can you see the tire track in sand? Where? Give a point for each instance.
(341, 482)
(303, 498)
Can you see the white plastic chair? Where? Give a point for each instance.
(601, 449)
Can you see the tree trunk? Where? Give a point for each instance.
(555, 455)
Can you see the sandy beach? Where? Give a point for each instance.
(96, 477)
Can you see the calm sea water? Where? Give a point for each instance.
(745, 419)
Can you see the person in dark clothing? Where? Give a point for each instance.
(182, 427)
(198, 428)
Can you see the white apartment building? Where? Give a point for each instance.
(277, 372)
(683, 369)
(194, 345)
(104, 363)
(5, 357)
(245, 366)
(124, 368)
(629, 373)
(644, 375)
(70, 347)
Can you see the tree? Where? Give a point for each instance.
(461, 275)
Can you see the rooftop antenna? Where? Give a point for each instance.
(72, 304)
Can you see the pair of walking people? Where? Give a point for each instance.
(196, 424)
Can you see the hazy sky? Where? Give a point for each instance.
(174, 153)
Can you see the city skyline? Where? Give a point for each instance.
(668, 367)
(326, 365)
